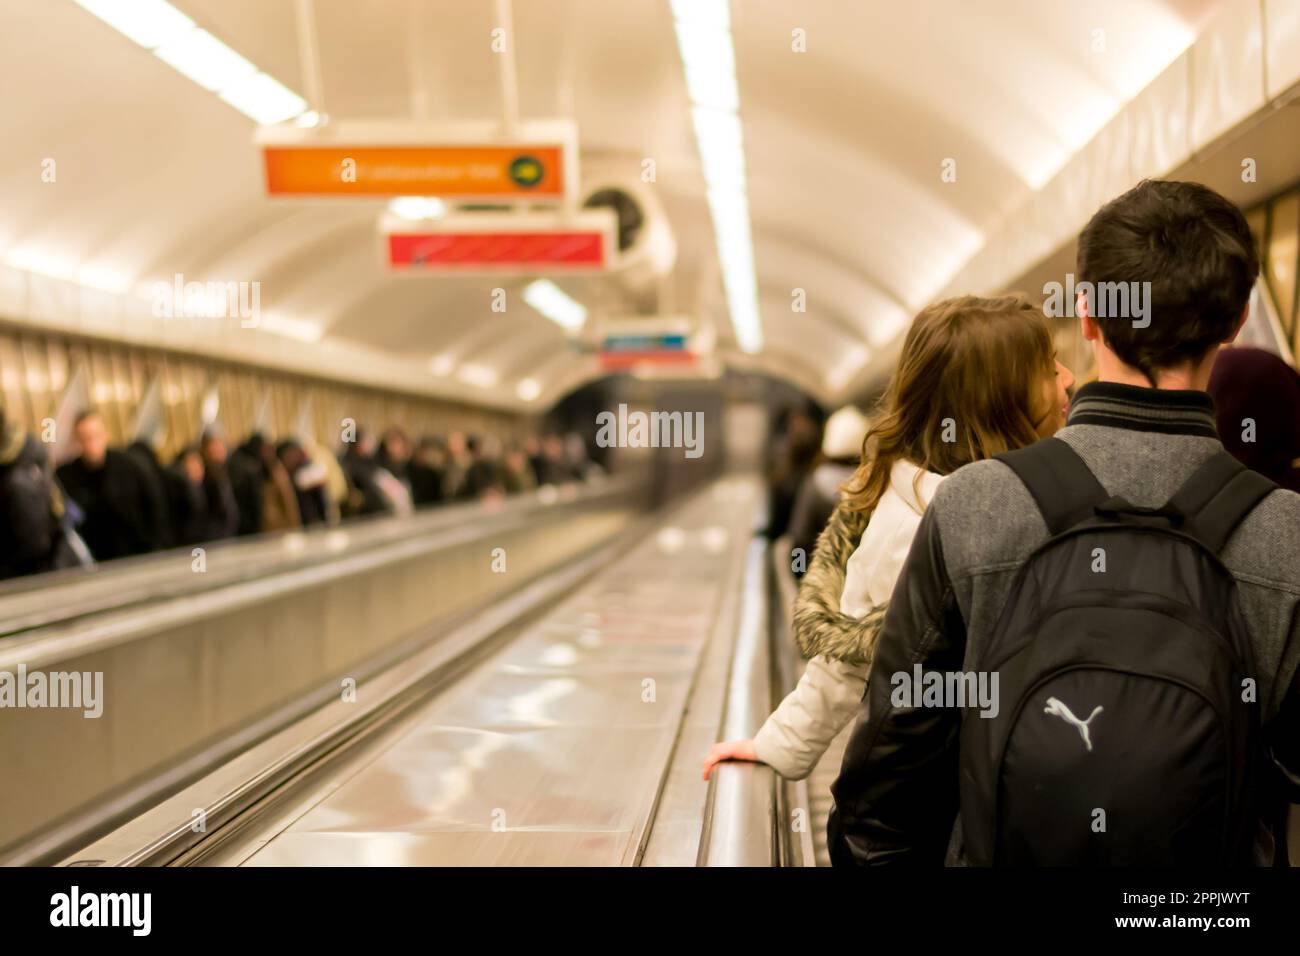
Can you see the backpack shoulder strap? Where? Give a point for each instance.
(1217, 497)
(1063, 487)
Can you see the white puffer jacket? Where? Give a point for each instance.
(795, 736)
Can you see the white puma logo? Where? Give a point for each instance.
(1058, 709)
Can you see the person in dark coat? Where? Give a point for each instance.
(366, 495)
(799, 438)
(248, 478)
(188, 497)
(112, 494)
(537, 459)
(426, 472)
(29, 528)
(394, 455)
(222, 508)
(551, 467)
(154, 480)
(483, 476)
(1257, 411)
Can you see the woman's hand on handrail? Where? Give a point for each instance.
(728, 750)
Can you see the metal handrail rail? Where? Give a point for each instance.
(742, 825)
(42, 646)
(62, 597)
(788, 668)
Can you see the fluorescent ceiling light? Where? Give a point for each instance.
(442, 364)
(150, 23)
(550, 300)
(708, 57)
(205, 60)
(264, 99)
(177, 41)
(417, 207)
(478, 375)
(710, 65)
(713, 13)
(528, 389)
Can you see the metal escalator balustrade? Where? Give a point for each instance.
(190, 681)
(45, 600)
(551, 744)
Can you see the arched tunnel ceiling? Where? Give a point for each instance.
(843, 146)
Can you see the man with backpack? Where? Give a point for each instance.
(1132, 590)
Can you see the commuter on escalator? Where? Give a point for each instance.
(280, 510)
(820, 491)
(517, 472)
(248, 482)
(536, 459)
(1257, 405)
(309, 482)
(795, 449)
(263, 490)
(187, 497)
(578, 459)
(394, 455)
(457, 464)
(30, 505)
(111, 492)
(1147, 706)
(154, 479)
(483, 477)
(993, 359)
(221, 506)
(427, 475)
(374, 490)
(552, 467)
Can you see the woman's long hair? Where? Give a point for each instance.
(965, 389)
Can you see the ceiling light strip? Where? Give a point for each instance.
(550, 300)
(703, 30)
(179, 42)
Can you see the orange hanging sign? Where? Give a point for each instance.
(477, 172)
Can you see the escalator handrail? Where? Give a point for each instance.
(49, 599)
(742, 825)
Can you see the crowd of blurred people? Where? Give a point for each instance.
(112, 502)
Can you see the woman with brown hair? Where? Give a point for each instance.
(977, 376)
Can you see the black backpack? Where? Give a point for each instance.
(1123, 735)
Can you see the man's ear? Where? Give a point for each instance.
(1091, 333)
(1241, 323)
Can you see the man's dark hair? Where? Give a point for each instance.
(1195, 249)
(85, 415)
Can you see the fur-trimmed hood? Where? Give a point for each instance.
(819, 626)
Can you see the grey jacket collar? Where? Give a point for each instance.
(1168, 411)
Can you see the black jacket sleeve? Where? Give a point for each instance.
(1283, 741)
(896, 796)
